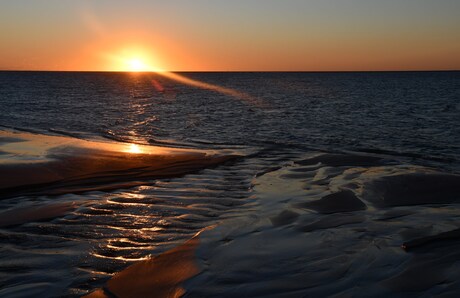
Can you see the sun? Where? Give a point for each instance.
(136, 64)
(133, 59)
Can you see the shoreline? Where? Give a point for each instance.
(35, 164)
(309, 223)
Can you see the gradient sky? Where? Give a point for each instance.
(223, 35)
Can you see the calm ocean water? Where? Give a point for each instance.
(409, 114)
(337, 171)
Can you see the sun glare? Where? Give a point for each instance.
(137, 65)
(135, 149)
(133, 60)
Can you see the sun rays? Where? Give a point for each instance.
(133, 59)
(140, 59)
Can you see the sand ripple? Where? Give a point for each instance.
(285, 223)
(332, 224)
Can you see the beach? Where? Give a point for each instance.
(193, 193)
(201, 149)
(319, 225)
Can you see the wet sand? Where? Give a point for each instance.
(52, 165)
(74, 212)
(159, 276)
(309, 224)
(353, 227)
(335, 238)
(35, 212)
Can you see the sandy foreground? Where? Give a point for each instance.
(325, 224)
(32, 164)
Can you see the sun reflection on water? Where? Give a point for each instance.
(135, 149)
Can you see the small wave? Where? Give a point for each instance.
(23, 129)
(72, 134)
(412, 155)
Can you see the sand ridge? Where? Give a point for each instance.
(37, 164)
(325, 234)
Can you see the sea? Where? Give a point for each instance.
(337, 132)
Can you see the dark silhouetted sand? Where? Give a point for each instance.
(325, 224)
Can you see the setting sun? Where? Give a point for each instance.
(137, 65)
(132, 59)
(233, 148)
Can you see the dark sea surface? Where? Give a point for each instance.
(369, 128)
(409, 114)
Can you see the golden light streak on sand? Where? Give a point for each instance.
(121, 258)
(160, 276)
(134, 148)
(53, 164)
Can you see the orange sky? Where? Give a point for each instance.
(217, 35)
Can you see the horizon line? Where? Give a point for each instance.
(233, 71)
